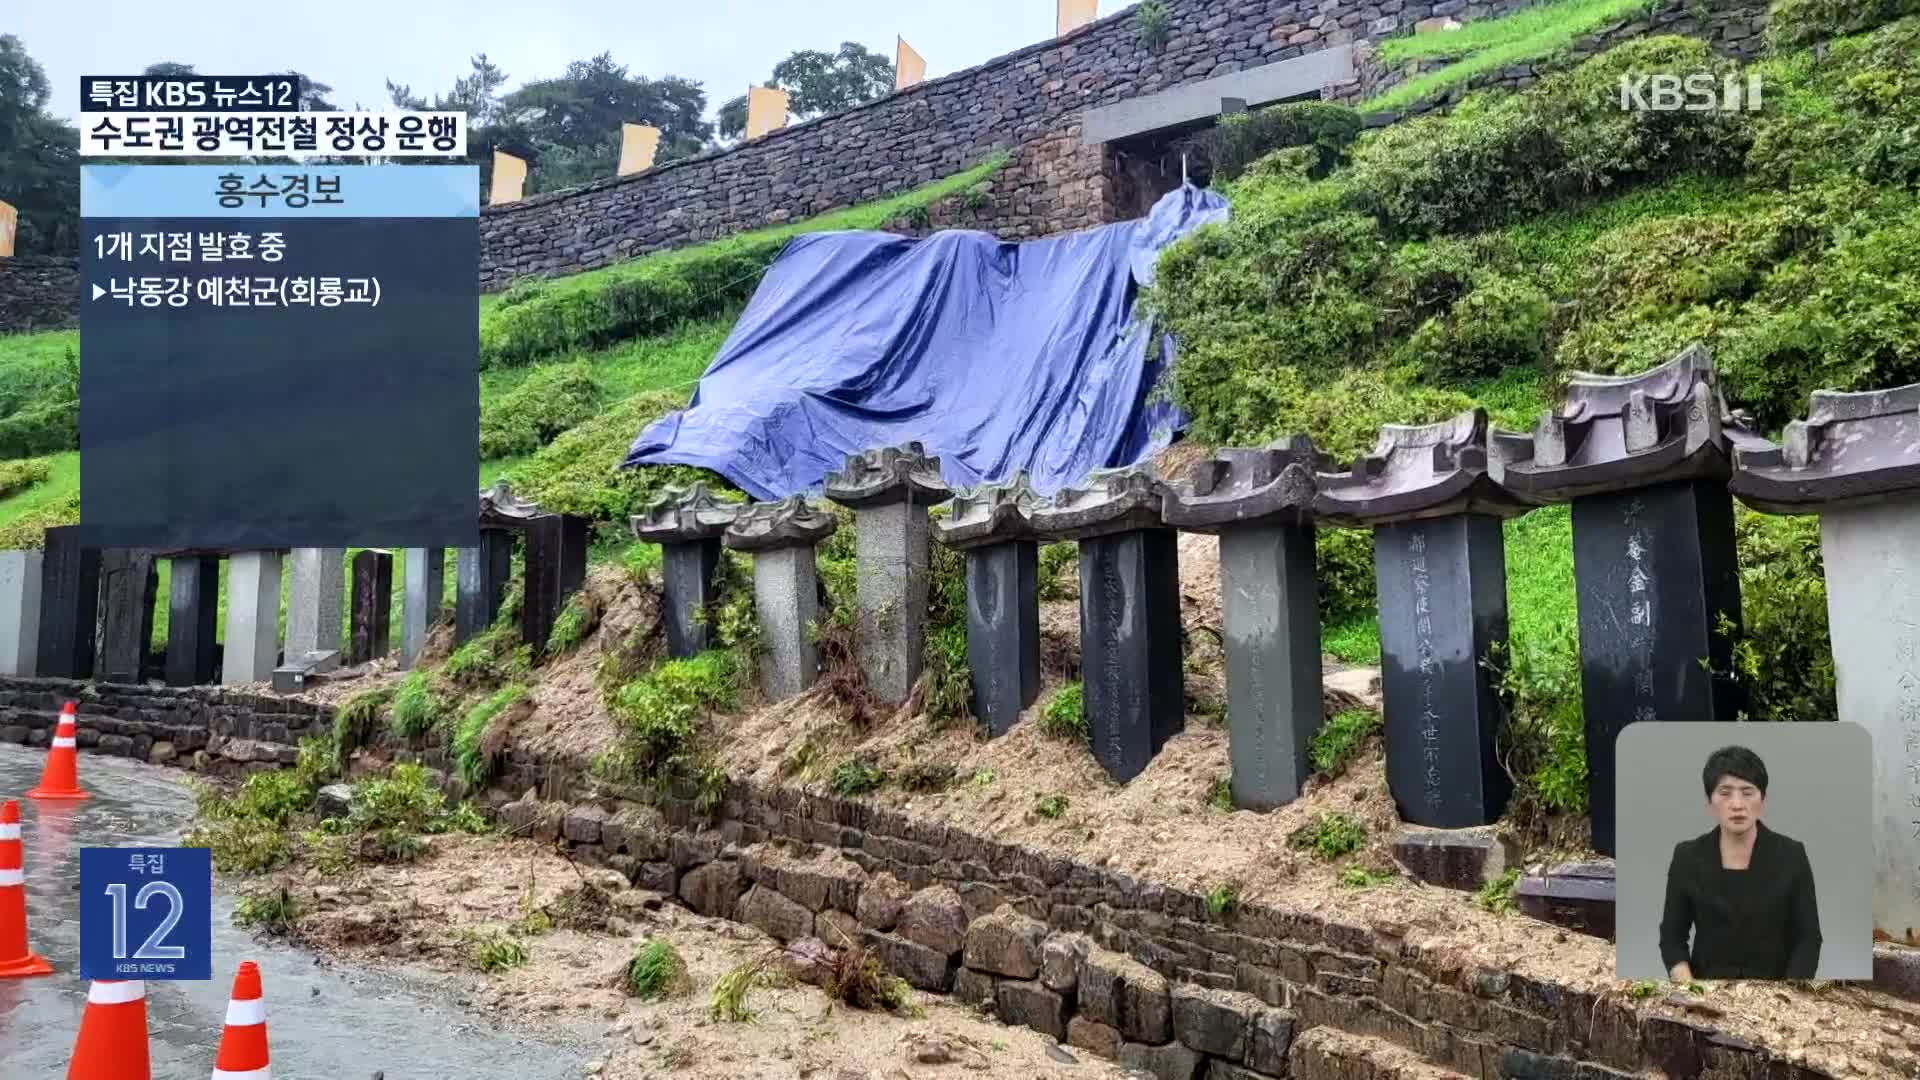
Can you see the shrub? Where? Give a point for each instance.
(354, 720)
(1782, 653)
(575, 622)
(1563, 140)
(1501, 323)
(416, 708)
(1852, 111)
(1497, 895)
(1329, 835)
(1339, 740)
(493, 951)
(660, 712)
(579, 472)
(655, 972)
(1543, 744)
(550, 400)
(1065, 716)
(1056, 559)
(240, 845)
(1324, 129)
(476, 743)
(1152, 23)
(1344, 559)
(18, 476)
(28, 531)
(275, 911)
(402, 800)
(856, 776)
(949, 695)
(1802, 22)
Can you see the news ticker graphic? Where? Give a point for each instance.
(146, 913)
(273, 134)
(279, 356)
(190, 93)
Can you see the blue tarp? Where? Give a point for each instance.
(996, 356)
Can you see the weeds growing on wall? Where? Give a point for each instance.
(481, 734)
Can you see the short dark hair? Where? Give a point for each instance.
(1735, 761)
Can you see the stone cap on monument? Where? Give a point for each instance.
(1415, 472)
(500, 508)
(888, 475)
(1621, 432)
(1271, 485)
(1113, 501)
(990, 514)
(769, 526)
(683, 515)
(1852, 449)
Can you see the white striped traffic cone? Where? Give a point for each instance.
(243, 1045)
(113, 1034)
(16, 959)
(61, 778)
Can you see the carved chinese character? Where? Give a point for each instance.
(1640, 613)
(1643, 682)
(1416, 542)
(1644, 714)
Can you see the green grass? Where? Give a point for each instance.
(1491, 44)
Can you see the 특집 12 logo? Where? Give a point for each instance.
(146, 913)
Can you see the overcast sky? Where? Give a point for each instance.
(356, 45)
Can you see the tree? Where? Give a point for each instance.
(818, 84)
(39, 157)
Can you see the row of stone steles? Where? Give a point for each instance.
(1649, 463)
(73, 611)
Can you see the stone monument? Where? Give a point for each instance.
(889, 491)
(129, 583)
(69, 604)
(425, 570)
(252, 646)
(1644, 460)
(193, 611)
(316, 597)
(1440, 559)
(687, 523)
(781, 537)
(1130, 648)
(989, 526)
(372, 614)
(20, 574)
(1855, 461)
(1260, 504)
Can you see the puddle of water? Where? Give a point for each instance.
(323, 1022)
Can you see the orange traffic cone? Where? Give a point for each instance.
(61, 778)
(16, 960)
(243, 1045)
(113, 1034)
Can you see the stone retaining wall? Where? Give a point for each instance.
(39, 293)
(1134, 970)
(207, 728)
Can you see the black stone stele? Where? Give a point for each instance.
(1440, 559)
(193, 603)
(767, 526)
(1578, 896)
(556, 565)
(1260, 503)
(370, 618)
(1851, 450)
(1134, 685)
(480, 584)
(888, 475)
(1645, 461)
(128, 583)
(69, 604)
(989, 526)
(687, 523)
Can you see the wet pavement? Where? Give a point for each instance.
(323, 1022)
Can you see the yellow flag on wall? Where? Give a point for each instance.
(909, 67)
(509, 178)
(766, 110)
(1074, 14)
(638, 143)
(9, 221)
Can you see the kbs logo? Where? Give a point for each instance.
(1693, 93)
(173, 95)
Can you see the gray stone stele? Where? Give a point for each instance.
(193, 602)
(480, 583)
(19, 612)
(890, 546)
(690, 577)
(786, 595)
(425, 570)
(1872, 556)
(1272, 626)
(316, 593)
(252, 645)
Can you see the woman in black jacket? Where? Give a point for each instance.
(1744, 891)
